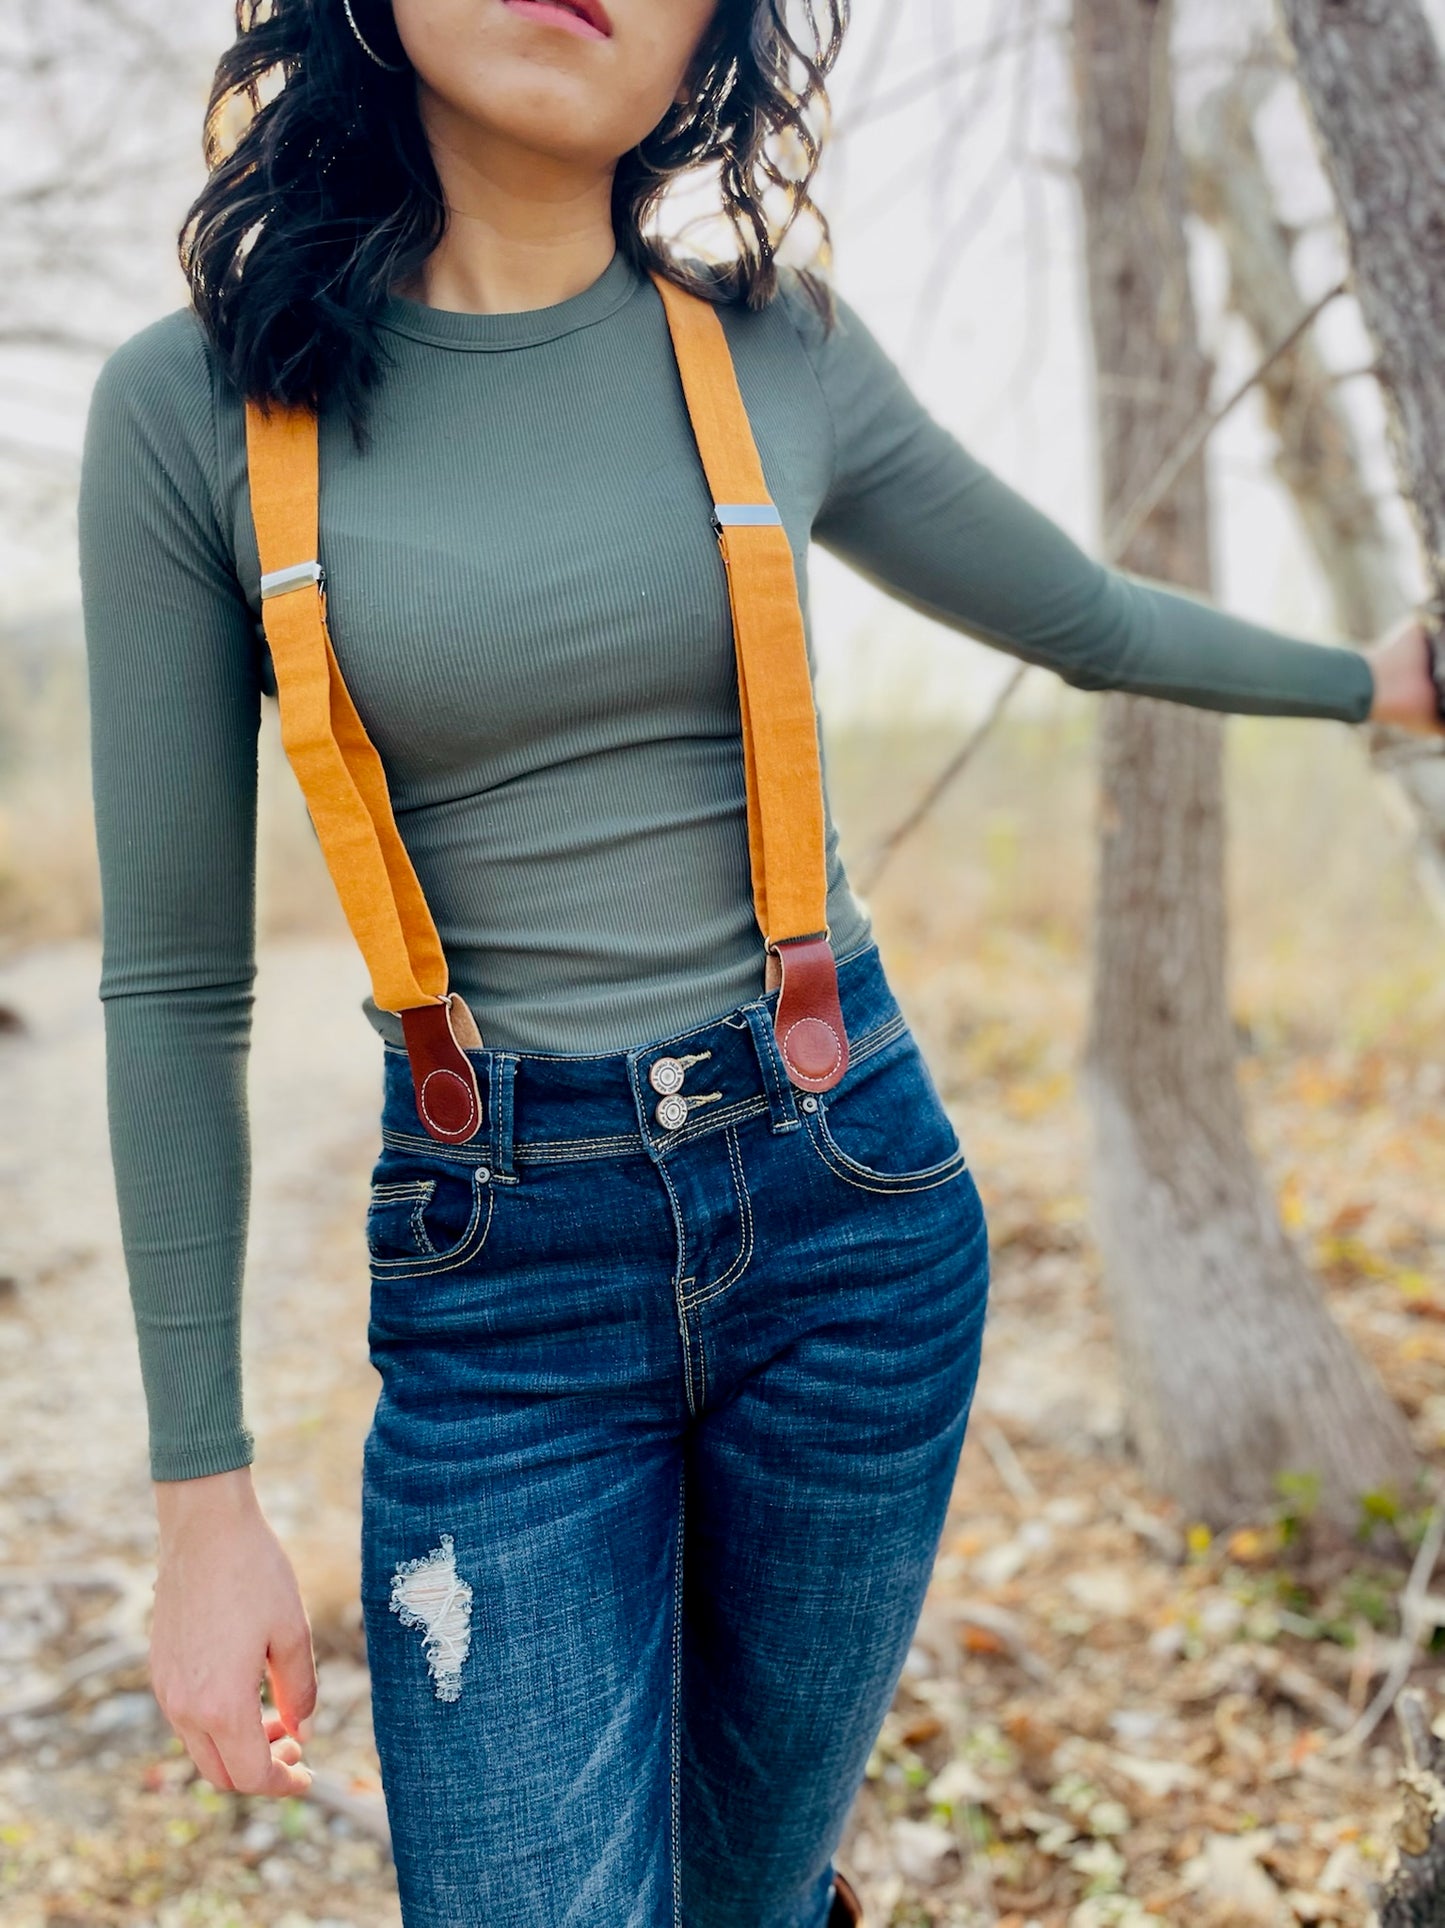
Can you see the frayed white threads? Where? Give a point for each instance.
(427, 1593)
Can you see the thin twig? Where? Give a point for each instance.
(1009, 1467)
(957, 762)
(1117, 541)
(365, 1812)
(1124, 530)
(1419, 1615)
(1004, 1627)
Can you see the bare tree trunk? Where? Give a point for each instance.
(1318, 459)
(1372, 73)
(1373, 76)
(1233, 1371)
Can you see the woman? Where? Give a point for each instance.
(668, 1415)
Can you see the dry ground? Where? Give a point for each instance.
(1107, 1715)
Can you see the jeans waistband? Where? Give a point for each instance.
(561, 1106)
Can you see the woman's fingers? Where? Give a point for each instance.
(202, 1750)
(235, 1765)
(252, 1760)
(292, 1666)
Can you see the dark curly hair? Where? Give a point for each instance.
(322, 195)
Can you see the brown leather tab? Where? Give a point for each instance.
(448, 1100)
(809, 1021)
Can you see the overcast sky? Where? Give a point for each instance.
(956, 237)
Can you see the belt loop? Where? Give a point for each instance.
(782, 1099)
(500, 1113)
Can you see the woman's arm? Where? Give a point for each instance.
(175, 706)
(175, 703)
(914, 511)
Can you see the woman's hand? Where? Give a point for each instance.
(228, 1610)
(1404, 691)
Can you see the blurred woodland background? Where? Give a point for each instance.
(1178, 272)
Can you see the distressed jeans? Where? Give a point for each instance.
(672, 1397)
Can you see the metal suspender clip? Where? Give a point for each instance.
(297, 575)
(745, 515)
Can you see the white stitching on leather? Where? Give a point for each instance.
(457, 1078)
(837, 1045)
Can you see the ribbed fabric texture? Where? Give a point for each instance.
(529, 607)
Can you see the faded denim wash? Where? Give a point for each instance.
(666, 1433)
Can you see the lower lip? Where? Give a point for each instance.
(549, 16)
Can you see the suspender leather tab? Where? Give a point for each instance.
(444, 1078)
(812, 1037)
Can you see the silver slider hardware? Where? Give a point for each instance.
(296, 575)
(746, 515)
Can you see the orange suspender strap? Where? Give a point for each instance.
(775, 695)
(343, 781)
(342, 778)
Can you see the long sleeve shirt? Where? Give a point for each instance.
(529, 608)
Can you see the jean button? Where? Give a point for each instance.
(666, 1076)
(810, 1103)
(671, 1112)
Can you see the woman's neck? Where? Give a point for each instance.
(524, 230)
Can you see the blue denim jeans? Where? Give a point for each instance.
(668, 1421)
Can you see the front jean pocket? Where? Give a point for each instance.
(427, 1222)
(883, 1126)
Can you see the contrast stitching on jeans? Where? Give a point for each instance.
(501, 1083)
(466, 1248)
(734, 1114)
(875, 1039)
(621, 1144)
(775, 1078)
(744, 1252)
(420, 1191)
(866, 1180)
(415, 1141)
(560, 1147)
(675, 1735)
(609, 1141)
(677, 1291)
(418, 1224)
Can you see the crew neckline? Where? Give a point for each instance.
(525, 328)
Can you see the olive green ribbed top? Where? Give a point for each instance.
(529, 607)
